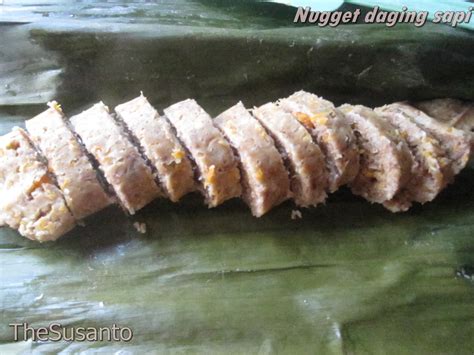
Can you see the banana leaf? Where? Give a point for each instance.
(348, 278)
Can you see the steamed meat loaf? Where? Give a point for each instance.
(123, 167)
(305, 161)
(212, 154)
(264, 177)
(331, 131)
(429, 158)
(301, 147)
(67, 161)
(30, 201)
(385, 160)
(159, 144)
(455, 142)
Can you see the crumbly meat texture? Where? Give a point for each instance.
(457, 143)
(212, 154)
(160, 146)
(31, 202)
(67, 161)
(429, 159)
(264, 177)
(120, 161)
(309, 177)
(331, 131)
(385, 160)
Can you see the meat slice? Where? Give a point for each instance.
(331, 131)
(305, 160)
(67, 161)
(385, 160)
(212, 154)
(455, 141)
(161, 147)
(123, 167)
(30, 201)
(429, 159)
(264, 177)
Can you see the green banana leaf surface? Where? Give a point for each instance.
(347, 278)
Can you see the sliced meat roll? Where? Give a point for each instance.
(309, 177)
(210, 151)
(264, 177)
(455, 141)
(123, 167)
(160, 145)
(385, 160)
(67, 161)
(331, 131)
(427, 172)
(30, 201)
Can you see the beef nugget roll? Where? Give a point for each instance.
(385, 160)
(264, 177)
(305, 160)
(455, 142)
(429, 159)
(331, 131)
(68, 162)
(216, 165)
(30, 200)
(120, 161)
(156, 138)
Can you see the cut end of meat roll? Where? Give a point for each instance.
(68, 162)
(385, 160)
(264, 177)
(456, 142)
(449, 111)
(305, 161)
(120, 161)
(455, 113)
(216, 165)
(430, 161)
(31, 202)
(331, 131)
(160, 146)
